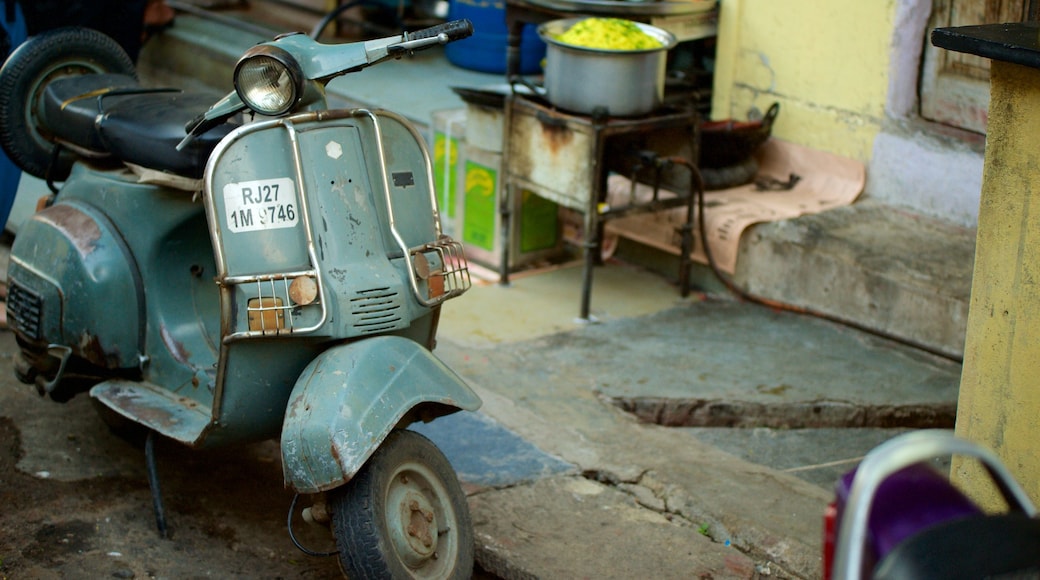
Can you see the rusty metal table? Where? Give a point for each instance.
(564, 158)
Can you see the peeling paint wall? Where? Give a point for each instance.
(845, 73)
(905, 50)
(825, 61)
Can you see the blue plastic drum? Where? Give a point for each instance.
(485, 50)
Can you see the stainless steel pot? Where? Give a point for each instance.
(623, 83)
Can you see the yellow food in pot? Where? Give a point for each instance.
(608, 34)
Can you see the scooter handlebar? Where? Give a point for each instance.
(454, 30)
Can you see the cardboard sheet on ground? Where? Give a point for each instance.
(826, 181)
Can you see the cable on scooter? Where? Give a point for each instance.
(292, 536)
(330, 16)
(55, 155)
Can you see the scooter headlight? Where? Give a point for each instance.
(268, 80)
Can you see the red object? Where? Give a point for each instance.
(830, 537)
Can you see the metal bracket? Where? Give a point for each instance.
(62, 353)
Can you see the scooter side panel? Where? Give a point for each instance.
(348, 399)
(165, 234)
(69, 255)
(260, 375)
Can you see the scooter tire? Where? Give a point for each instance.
(382, 518)
(36, 62)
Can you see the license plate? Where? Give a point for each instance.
(264, 204)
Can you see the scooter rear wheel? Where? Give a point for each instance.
(38, 61)
(404, 515)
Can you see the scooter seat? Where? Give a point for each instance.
(986, 546)
(111, 114)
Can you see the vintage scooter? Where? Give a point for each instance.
(257, 268)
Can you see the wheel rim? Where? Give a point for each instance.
(422, 524)
(71, 67)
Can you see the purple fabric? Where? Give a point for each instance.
(906, 503)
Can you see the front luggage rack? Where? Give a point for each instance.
(448, 277)
(279, 303)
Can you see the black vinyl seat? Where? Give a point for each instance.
(111, 114)
(993, 546)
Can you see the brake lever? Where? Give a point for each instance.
(439, 34)
(418, 44)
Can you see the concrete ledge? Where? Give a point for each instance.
(871, 264)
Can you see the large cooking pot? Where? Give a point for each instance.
(621, 83)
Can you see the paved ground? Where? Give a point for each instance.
(757, 491)
(563, 483)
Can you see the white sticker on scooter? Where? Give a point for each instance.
(334, 150)
(264, 204)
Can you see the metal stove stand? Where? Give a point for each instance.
(567, 158)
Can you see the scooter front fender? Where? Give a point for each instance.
(349, 398)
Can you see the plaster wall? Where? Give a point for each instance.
(825, 61)
(927, 174)
(999, 401)
(845, 73)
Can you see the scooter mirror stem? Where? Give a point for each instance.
(221, 111)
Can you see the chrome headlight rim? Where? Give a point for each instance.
(281, 59)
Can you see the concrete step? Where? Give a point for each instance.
(871, 264)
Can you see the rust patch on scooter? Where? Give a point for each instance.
(176, 348)
(77, 226)
(89, 347)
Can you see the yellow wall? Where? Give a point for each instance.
(999, 398)
(825, 61)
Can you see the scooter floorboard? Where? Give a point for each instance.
(178, 418)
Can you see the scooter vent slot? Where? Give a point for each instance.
(376, 310)
(25, 310)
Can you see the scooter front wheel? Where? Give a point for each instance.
(404, 515)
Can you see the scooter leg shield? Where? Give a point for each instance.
(350, 397)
